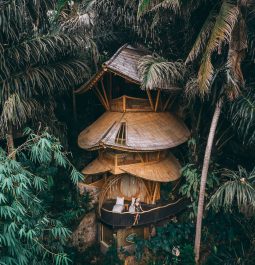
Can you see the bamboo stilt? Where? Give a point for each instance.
(124, 103)
(166, 104)
(110, 88)
(150, 98)
(155, 193)
(157, 100)
(102, 98)
(105, 95)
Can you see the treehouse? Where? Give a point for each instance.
(133, 139)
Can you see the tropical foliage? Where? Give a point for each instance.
(203, 49)
(30, 234)
(37, 63)
(169, 246)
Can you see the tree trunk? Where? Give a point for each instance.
(10, 142)
(204, 178)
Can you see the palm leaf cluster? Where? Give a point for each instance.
(28, 232)
(242, 116)
(237, 191)
(36, 63)
(220, 33)
(156, 72)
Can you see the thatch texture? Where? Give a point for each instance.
(97, 166)
(165, 170)
(123, 63)
(148, 131)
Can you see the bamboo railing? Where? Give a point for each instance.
(153, 215)
(126, 103)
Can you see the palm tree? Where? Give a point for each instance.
(37, 64)
(224, 30)
(223, 25)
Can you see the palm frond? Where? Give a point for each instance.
(236, 54)
(156, 72)
(17, 111)
(81, 17)
(42, 50)
(45, 80)
(220, 34)
(242, 116)
(238, 190)
(20, 16)
(202, 37)
(191, 88)
(149, 5)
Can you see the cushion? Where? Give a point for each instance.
(120, 200)
(117, 208)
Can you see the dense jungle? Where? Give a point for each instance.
(194, 59)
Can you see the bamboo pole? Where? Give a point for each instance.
(167, 103)
(102, 98)
(104, 91)
(155, 193)
(124, 103)
(110, 88)
(96, 93)
(157, 100)
(150, 98)
(142, 160)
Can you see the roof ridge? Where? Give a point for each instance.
(115, 54)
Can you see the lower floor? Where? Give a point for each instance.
(124, 238)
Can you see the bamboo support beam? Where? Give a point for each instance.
(141, 157)
(124, 103)
(150, 98)
(166, 104)
(157, 100)
(110, 88)
(101, 98)
(155, 193)
(105, 95)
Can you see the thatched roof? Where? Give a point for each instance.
(145, 131)
(165, 170)
(162, 171)
(123, 63)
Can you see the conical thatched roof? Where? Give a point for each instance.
(165, 170)
(123, 63)
(144, 131)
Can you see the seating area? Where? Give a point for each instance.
(125, 205)
(120, 205)
(151, 213)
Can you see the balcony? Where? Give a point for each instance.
(128, 104)
(151, 214)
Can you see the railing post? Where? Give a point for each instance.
(124, 103)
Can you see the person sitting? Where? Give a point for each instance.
(138, 209)
(131, 208)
